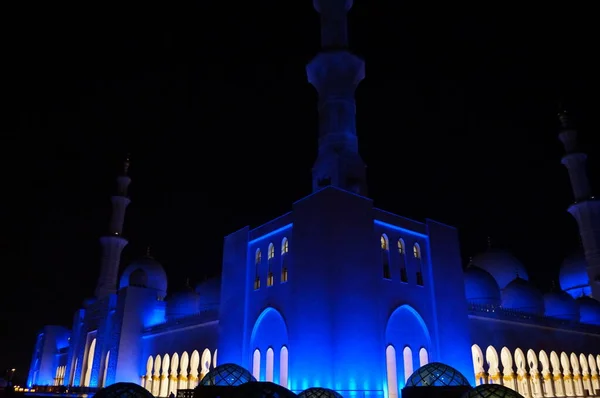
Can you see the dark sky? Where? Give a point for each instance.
(456, 120)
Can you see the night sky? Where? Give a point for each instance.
(456, 122)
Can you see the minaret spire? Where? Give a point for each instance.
(335, 73)
(586, 209)
(113, 243)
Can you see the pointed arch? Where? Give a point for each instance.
(270, 330)
(385, 256)
(391, 371)
(285, 248)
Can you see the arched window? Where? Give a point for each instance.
(256, 364)
(423, 357)
(418, 259)
(402, 254)
(385, 256)
(285, 248)
(392, 373)
(408, 362)
(257, 261)
(270, 257)
(270, 365)
(283, 367)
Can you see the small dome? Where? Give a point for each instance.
(145, 272)
(521, 296)
(501, 265)
(491, 391)
(573, 275)
(263, 389)
(589, 310)
(183, 303)
(210, 293)
(481, 287)
(228, 374)
(123, 390)
(436, 374)
(319, 392)
(561, 305)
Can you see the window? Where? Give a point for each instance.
(402, 254)
(285, 248)
(271, 255)
(417, 254)
(385, 256)
(257, 260)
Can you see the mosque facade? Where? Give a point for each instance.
(338, 293)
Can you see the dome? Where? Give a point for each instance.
(481, 287)
(521, 296)
(210, 293)
(145, 272)
(123, 390)
(436, 374)
(183, 303)
(492, 391)
(263, 389)
(501, 265)
(561, 305)
(319, 392)
(228, 374)
(589, 310)
(573, 275)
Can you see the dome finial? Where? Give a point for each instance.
(148, 254)
(517, 273)
(187, 282)
(470, 264)
(489, 242)
(553, 287)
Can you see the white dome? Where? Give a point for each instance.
(481, 287)
(502, 265)
(561, 305)
(145, 272)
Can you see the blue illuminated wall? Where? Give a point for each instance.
(336, 314)
(50, 343)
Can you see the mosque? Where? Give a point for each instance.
(337, 293)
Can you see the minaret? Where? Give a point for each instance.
(113, 243)
(586, 208)
(335, 73)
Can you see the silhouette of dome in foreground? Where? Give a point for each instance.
(491, 391)
(228, 374)
(123, 390)
(436, 374)
(263, 389)
(319, 392)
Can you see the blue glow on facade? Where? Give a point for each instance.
(270, 234)
(403, 231)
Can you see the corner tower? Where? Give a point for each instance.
(335, 73)
(586, 208)
(114, 243)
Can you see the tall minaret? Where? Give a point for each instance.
(113, 243)
(586, 208)
(336, 73)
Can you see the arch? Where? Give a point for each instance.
(269, 368)
(284, 262)
(270, 330)
(205, 363)
(164, 375)
(402, 254)
(105, 371)
(405, 327)
(419, 259)
(385, 256)
(283, 366)
(270, 259)
(257, 257)
(384, 242)
(423, 357)
(407, 359)
(391, 371)
(174, 373)
(256, 364)
(257, 261)
(89, 363)
(493, 363)
(477, 356)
